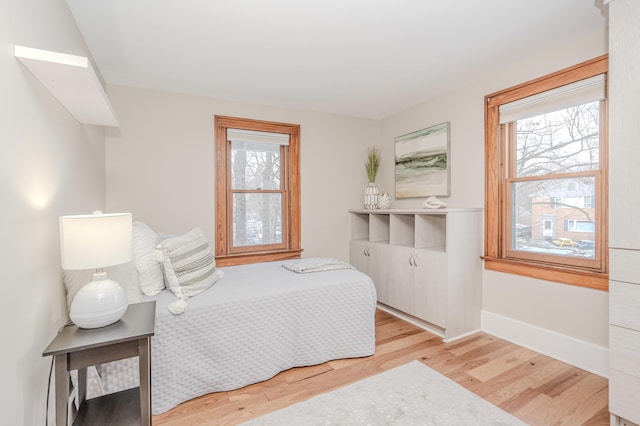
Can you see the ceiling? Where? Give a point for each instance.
(363, 58)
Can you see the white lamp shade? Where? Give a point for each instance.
(96, 240)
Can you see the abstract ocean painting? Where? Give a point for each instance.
(422, 162)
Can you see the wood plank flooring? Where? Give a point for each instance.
(535, 388)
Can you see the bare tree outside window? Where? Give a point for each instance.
(257, 193)
(557, 152)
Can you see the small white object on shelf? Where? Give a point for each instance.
(433, 203)
(383, 201)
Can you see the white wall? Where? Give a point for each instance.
(50, 165)
(576, 312)
(160, 164)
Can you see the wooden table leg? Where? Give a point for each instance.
(82, 385)
(144, 361)
(62, 389)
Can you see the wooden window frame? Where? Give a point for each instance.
(226, 255)
(497, 197)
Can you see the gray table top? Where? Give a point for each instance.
(138, 322)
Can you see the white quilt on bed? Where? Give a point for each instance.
(255, 322)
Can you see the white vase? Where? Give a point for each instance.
(371, 192)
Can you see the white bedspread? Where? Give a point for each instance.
(257, 321)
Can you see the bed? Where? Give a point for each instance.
(255, 322)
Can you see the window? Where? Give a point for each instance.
(546, 177)
(257, 191)
(580, 226)
(588, 201)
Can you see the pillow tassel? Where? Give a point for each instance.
(177, 307)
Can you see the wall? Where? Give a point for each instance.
(575, 312)
(160, 164)
(50, 166)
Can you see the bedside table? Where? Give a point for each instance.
(76, 348)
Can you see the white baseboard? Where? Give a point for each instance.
(412, 320)
(584, 355)
(423, 324)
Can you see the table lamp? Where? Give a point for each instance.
(95, 241)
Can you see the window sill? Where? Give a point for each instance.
(595, 280)
(255, 257)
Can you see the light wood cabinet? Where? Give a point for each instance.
(425, 264)
(624, 338)
(624, 204)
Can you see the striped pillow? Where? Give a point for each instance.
(188, 264)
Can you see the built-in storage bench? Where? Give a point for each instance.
(425, 264)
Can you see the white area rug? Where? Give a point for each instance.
(412, 394)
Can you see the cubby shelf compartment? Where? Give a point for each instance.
(379, 227)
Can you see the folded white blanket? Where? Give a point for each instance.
(315, 264)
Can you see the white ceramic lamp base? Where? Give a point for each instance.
(98, 303)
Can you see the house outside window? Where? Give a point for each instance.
(546, 145)
(257, 191)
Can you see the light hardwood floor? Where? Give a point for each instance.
(535, 388)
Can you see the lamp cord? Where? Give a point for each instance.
(46, 413)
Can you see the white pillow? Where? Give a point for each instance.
(126, 275)
(147, 264)
(189, 266)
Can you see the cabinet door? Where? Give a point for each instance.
(624, 350)
(624, 394)
(401, 279)
(379, 269)
(624, 304)
(431, 286)
(358, 255)
(371, 259)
